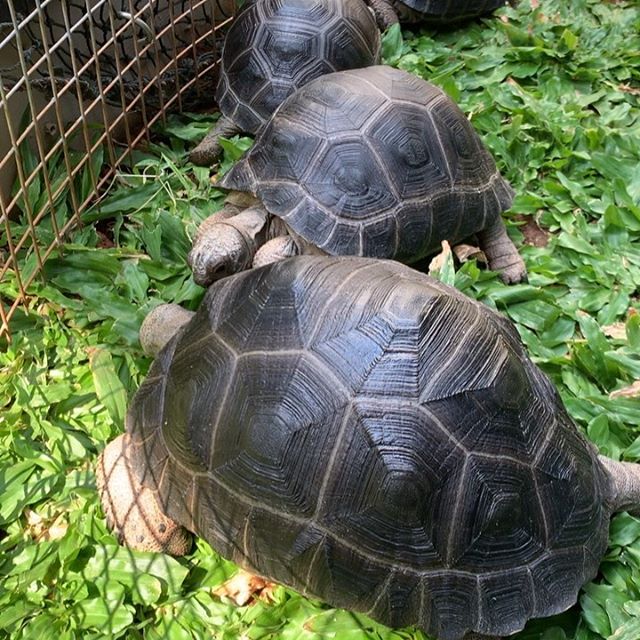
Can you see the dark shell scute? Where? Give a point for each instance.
(468, 161)
(397, 155)
(451, 604)
(566, 467)
(505, 597)
(557, 579)
(384, 450)
(288, 153)
(379, 239)
(273, 48)
(371, 437)
(358, 187)
(499, 523)
(329, 108)
(405, 139)
(400, 595)
(282, 405)
(195, 393)
(452, 10)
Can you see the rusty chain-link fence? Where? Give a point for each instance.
(81, 83)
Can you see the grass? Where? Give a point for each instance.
(553, 88)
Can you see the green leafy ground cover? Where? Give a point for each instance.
(554, 91)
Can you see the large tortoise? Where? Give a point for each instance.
(371, 162)
(369, 436)
(276, 46)
(389, 12)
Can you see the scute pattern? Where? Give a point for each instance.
(274, 47)
(423, 167)
(273, 426)
(499, 523)
(369, 436)
(389, 168)
(451, 10)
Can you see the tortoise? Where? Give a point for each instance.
(389, 12)
(274, 47)
(371, 162)
(365, 434)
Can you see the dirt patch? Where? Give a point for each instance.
(104, 231)
(534, 235)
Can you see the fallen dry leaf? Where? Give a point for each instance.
(615, 330)
(45, 529)
(438, 261)
(243, 586)
(627, 88)
(466, 252)
(632, 391)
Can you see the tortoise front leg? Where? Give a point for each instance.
(277, 249)
(227, 245)
(502, 253)
(160, 325)
(207, 152)
(132, 511)
(384, 12)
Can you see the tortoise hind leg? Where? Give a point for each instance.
(384, 13)
(207, 152)
(132, 510)
(624, 483)
(502, 253)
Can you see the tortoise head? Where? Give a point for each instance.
(161, 325)
(218, 251)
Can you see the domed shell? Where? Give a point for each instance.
(276, 46)
(373, 162)
(451, 10)
(369, 436)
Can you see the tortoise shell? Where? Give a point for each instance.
(373, 162)
(275, 46)
(444, 10)
(369, 436)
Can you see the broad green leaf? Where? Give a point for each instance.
(392, 44)
(624, 530)
(630, 630)
(16, 612)
(598, 430)
(108, 617)
(109, 388)
(139, 198)
(125, 566)
(633, 331)
(595, 615)
(233, 149)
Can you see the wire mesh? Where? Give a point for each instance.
(81, 83)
